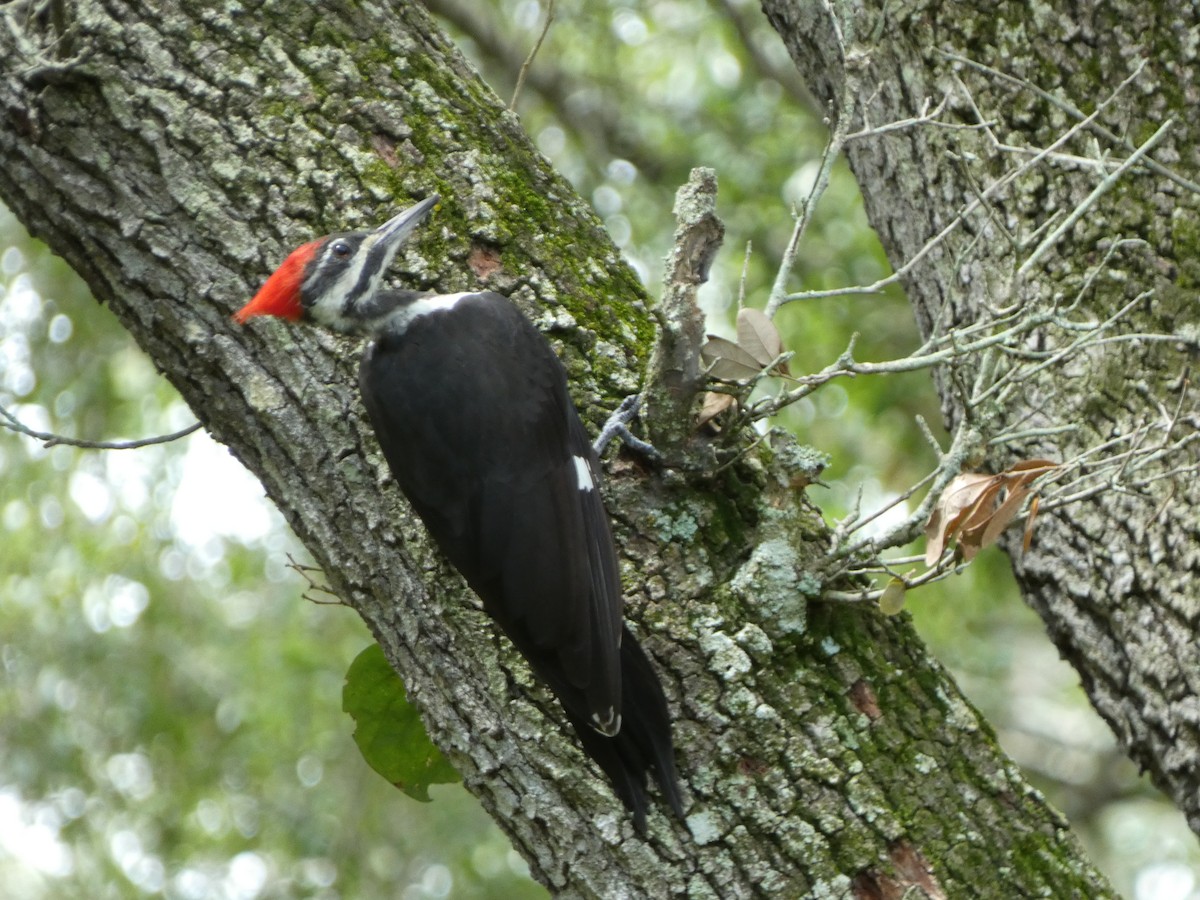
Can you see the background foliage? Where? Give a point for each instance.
(170, 712)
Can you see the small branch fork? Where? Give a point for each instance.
(1006, 360)
(1131, 464)
(309, 573)
(50, 51)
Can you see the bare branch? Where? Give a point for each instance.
(1004, 357)
(833, 149)
(537, 45)
(925, 117)
(967, 211)
(1070, 109)
(50, 439)
(1101, 189)
(674, 375)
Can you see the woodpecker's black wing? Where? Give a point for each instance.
(471, 409)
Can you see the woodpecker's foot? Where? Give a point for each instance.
(618, 426)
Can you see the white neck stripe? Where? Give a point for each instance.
(423, 306)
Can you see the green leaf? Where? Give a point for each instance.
(892, 599)
(388, 730)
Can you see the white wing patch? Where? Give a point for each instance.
(583, 474)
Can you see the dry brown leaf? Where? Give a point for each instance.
(987, 496)
(970, 532)
(1027, 540)
(974, 509)
(1003, 516)
(1027, 470)
(714, 404)
(759, 337)
(727, 360)
(950, 512)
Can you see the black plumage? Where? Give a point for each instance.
(471, 409)
(470, 406)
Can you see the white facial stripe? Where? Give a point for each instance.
(328, 309)
(349, 281)
(337, 306)
(583, 474)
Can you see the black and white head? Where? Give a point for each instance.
(334, 281)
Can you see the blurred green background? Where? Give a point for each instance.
(170, 708)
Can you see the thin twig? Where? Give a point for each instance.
(902, 497)
(525, 66)
(1076, 113)
(745, 273)
(304, 572)
(833, 149)
(50, 439)
(925, 117)
(1107, 184)
(1004, 385)
(940, 572)
(847, 524)
(963, 445)
(966, 212)
(829, 157)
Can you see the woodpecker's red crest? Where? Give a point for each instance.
(280, 296)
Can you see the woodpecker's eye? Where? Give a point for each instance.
(341, 249)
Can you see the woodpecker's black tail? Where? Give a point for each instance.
(644, 741)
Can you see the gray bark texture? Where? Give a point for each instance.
(174, 156)
(1116, 575)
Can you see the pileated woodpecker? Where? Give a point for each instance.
(470, 407)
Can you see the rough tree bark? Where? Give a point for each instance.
(172, 157)
(1116, 577)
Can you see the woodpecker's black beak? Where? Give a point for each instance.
(396, 230)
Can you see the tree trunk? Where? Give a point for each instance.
(172, 158)
(1115, 575)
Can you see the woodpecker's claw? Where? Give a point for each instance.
(618, 426)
